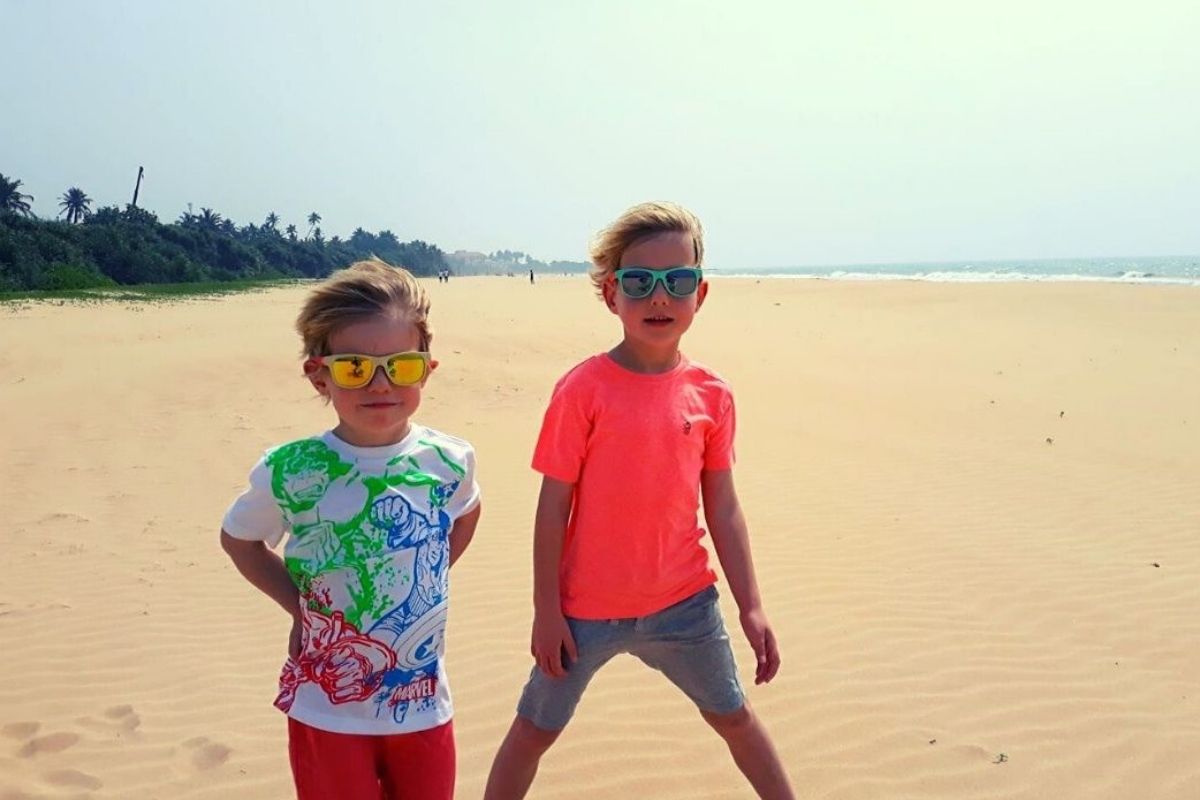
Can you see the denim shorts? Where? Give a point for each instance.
(686, 642)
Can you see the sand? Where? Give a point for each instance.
(974, 512)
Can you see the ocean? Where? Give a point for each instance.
(1154, 270)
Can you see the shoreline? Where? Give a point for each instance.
(166, 293)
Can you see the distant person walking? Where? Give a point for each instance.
(531, 277)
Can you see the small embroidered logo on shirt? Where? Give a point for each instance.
(687, 426)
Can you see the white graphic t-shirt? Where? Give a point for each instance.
(369, 549)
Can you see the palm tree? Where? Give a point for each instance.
(209, 219)
(11, 198)
(228, 226)
(314, 219)
(76, 204)
(271, 221)
(361, 239)
(291, 232)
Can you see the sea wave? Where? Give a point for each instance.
(963, 276)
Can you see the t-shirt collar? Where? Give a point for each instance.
(387, 451)
(645, 376)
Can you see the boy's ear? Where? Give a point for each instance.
(433, 364)
(609, 290)
(701, 293)
(312, 371)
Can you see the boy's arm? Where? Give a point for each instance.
(264, 569)
(266, 572)
(463, 532)
(727, 526)
(551, 634)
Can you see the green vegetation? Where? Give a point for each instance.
(93, 254)
(147, 292)
(113, 247)
(11, 199)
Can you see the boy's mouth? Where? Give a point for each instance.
(659, 319)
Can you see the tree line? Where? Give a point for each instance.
(508, 262)
(111, 246)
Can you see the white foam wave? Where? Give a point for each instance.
(968, 277)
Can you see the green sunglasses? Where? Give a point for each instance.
(638, 282)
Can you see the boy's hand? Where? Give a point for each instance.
(551, 639)
(762, 639)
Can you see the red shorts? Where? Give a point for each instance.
(353, 766)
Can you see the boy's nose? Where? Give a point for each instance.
(379, 381)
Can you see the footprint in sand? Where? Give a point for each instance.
(20, 730)
(116, 721)
(204, 754)
(50, 743)
(15, 794)
(124, 716)
(72, 779)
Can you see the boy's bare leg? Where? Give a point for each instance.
(753, 752)
(517, 760)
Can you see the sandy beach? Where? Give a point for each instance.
(973, 508)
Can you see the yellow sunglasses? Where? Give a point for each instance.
(355, 370)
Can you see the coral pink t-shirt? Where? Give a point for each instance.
(634, 445)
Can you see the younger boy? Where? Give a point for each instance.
(376, 511)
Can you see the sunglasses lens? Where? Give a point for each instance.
(682, 282)
(350, 372)
(637, 282)
(407, 369)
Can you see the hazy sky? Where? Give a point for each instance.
(833, 132)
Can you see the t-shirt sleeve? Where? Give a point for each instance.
(467, 495)
(254, 515)
(718, 446)
(562, 442)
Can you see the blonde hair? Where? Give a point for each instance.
(363, 290)
(640, 222)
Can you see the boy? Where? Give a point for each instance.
(630, 440)
(377, 509)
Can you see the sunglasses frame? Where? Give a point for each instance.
(658, 276)
(376, 362)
